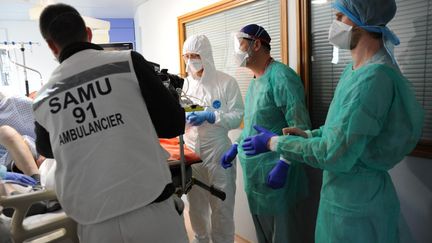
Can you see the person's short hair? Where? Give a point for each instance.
(376, 35)
(62, 24)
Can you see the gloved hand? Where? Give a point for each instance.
(257, 144)
(20, 178)
(278, 175)
(197, 118)
(229, 156)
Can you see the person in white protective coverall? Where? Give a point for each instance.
(207, 134)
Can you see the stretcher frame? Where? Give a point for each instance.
(55, 229)
(184, 180)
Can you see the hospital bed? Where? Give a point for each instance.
(57, 227)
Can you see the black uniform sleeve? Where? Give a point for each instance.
(43, 144)
(167, 115)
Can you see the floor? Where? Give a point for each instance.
(190, 233)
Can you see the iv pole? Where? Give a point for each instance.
(22, 48)
(25, 71)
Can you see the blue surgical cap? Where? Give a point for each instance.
(370, 12)
(256, 32)
(373, 16)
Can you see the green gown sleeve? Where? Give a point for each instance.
(356, 115)
(315, 132)
(288, 95)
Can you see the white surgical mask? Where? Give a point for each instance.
(241, 58)
(340, 35)
(194, 65)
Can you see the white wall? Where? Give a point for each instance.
(157, 31)
(38, 57)
(292, 37)
(413, 181)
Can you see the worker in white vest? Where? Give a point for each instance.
(99, 116)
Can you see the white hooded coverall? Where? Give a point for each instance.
(219, 93)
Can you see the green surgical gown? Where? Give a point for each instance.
(274, 101)
(373, 121)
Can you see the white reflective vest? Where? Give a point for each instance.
(109, 161)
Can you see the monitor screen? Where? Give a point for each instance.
(117, 46)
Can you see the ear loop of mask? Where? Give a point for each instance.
(187, 64)
(188, 68)
(251, 43)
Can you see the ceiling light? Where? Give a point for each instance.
(93, 23)
(319, 1)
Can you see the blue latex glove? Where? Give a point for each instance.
(189, 115)
(229, 156)
(278, 175)
(12, 176)
(197, 118)
(257, 144)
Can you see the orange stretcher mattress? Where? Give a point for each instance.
(172, 145)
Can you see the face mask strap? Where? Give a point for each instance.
(251, 42)
(259, 32)
(187, 64)
(256, 36)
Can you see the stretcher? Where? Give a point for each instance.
(49, 227)
(180, 162)
(58, 227)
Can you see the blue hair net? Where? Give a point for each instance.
(256, 32)
(373, 16)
